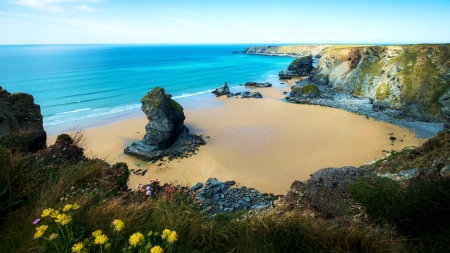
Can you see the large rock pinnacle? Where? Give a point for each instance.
(166, 135)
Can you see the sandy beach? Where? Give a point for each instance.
(261, 143)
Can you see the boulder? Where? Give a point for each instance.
(166, 135)
(327, 189)
(305, 92)
(21, 119)
(248, 94)
(224, 90)
(258, 85)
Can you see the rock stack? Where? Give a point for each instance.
(166, 134)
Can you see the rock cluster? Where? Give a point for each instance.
(166, 135)
(258, 85)
(225, 90)
(217, 197)
(327, 189)
(19, 114)
(299, 67)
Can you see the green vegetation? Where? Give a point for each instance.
(421, 72)
(174, 104)
(382, 92)
(419, 210)
(90, 196)
(310, 88)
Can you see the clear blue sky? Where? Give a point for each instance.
(225, 21)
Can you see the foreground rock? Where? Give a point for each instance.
(327, 189)
(21, 117)
(217, 197)
(166, 135)
(299, 67)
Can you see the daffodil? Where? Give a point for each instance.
(78, 247)
(63, 219)
(156, 249)
(47, 212)
(118, 225)
(97, 233)
(101, 239)
(40, 231)
(173, 237)
(136, 238)
(67, 208)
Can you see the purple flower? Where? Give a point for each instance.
(36, 221)
(148, 193)
(147, 188)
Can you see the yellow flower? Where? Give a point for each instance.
(78, 247)
(52, 236)
(107, 246)
(67, 207)
(40, 231)
(156, 249)
(101, 239)
(173, 237)
(75, 206)
(47, 212)
(136, 238)
(54, 213)
(150, 233)
(97, 233)
(148, 246)
(63, 219)
(166, 232)
(118, 225)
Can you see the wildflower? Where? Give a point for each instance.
(148, 246)
(118, 225)
(101, 239)
(97, 233)
(136, 238)
(107, 246)
(36, 221)
(148, 193)
(63, 219)
(67, 207)
(47, 212)
(156, 249)
(40, 231)
(173, 237)
(78, 247)
(166, 233)
(150, 233)
(52, 236)
(75, 206)
(54, 214)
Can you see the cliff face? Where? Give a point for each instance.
(412, 78)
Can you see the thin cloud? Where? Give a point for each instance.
(55, 5)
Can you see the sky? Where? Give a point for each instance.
(224, 22)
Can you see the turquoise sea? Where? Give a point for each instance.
(79, 85)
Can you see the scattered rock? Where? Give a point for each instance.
(224, 90)
(247, 94)
(258, 85)
(392, 138)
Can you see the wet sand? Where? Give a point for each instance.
(261, 143)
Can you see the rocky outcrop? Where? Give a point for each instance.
(413, 80)
(247, 94)
(305, 92)
(258, 85)
(299, 67)
(166, 135)
(217, 197)
(327, 189)
(21, 119)
(224, 90)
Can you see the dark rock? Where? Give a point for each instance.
(284, 92)
(301, 66)
(21, 119)
(166, 134)
(258, 85)
(305, 92)
(247, 94)
(285, 74)
(224, 90)
(327, 189)
(392, 138)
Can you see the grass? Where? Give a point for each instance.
(54, 179)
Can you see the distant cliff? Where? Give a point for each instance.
(412, 78)
(292, 51)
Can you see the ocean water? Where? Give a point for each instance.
(79, 85)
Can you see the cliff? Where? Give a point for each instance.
(292, 51)
(412, 79)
